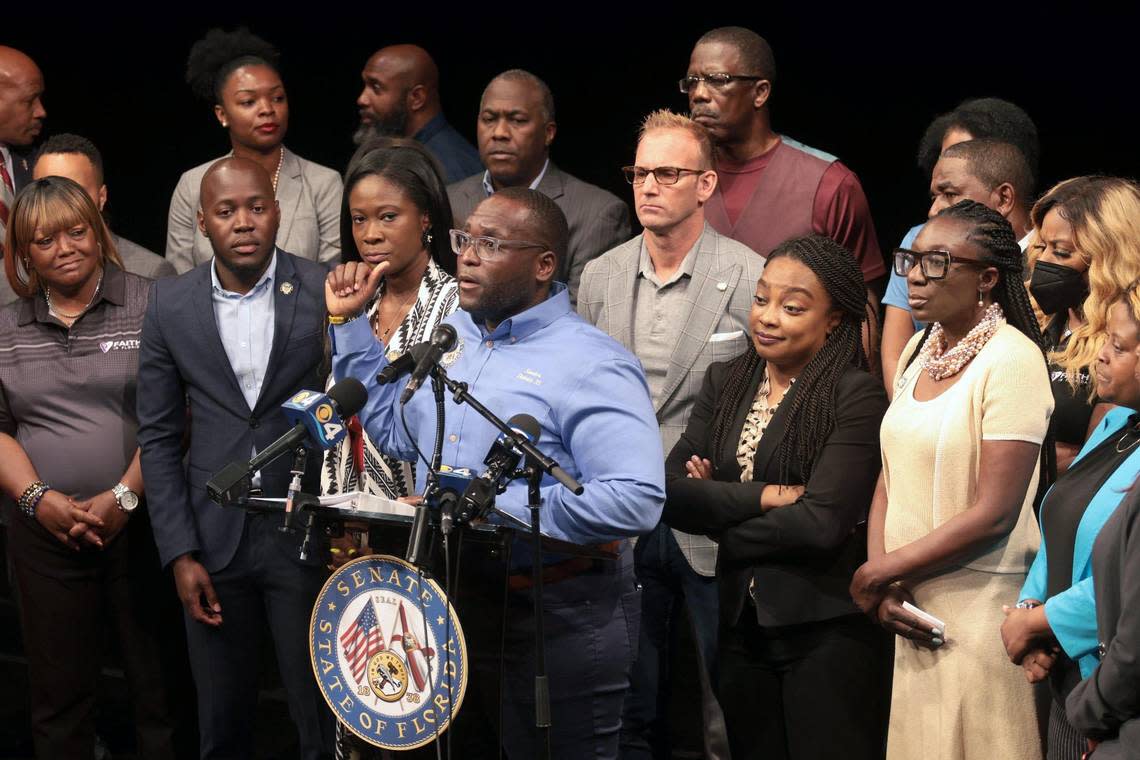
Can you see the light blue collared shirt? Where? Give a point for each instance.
(533, 185)
(245, 325)
(587, 392)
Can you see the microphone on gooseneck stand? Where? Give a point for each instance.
(443, 339)
(403, 364)
(318, 422)
(501, 460)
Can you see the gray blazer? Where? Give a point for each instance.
(715, 330)
(309, 195)
(1106, 705)
(598, 219)
(140, 261)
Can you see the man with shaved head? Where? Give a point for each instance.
(515, 129)
(400, 98)
(21, 118)
(232, 340)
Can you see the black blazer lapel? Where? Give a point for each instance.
(204, 309)
(286, 293)
(773, 434)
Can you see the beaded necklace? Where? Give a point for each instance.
(941, 365)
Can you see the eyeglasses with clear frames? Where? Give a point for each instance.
(665, 175)
(935, 265)
(487, 248)
(717, 81)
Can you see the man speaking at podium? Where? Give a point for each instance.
(523, 350)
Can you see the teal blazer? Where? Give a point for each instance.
(1072, 613)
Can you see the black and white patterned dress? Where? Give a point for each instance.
(382, 475)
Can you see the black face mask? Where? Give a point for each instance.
(1056, 288)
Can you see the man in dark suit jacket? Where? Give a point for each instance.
(21, 119)
(237, 337)
(515, 129)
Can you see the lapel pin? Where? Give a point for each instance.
(722, 286)
(286, 288)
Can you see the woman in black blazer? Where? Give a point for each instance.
(778, 464)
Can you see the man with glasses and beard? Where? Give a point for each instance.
(523, 350)
(400, 98)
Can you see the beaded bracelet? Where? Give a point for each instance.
(30, 498)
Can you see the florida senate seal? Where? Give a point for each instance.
(388, 652)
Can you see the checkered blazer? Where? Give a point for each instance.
(715, 330)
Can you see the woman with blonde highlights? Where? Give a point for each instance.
(1085, 250)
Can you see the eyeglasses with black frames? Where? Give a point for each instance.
(935, 264)
(487, 248)
(665, 175)
(716, 81)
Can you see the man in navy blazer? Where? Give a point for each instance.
(233, 339)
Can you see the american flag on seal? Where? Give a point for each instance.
(361, 640)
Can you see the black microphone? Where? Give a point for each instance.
(319, 421)
(403, 364)
(501, 460)
(443, 339)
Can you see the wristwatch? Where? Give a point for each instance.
(126, 498)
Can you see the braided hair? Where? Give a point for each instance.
(993, 234)
(220, 53)
(811, 410)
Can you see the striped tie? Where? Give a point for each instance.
(7, 196)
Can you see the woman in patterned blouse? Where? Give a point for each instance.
(778, 463)
(396, 210)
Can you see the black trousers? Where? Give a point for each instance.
(69, 601)
(808, 691)
(263, 590)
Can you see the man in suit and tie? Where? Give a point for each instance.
(235, 337)
(678, 296)
(515, 129)
(21, 119)
(78, 159)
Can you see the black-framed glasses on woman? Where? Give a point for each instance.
(717, 81)
(935, 264)
(665, 175)
(487, 248)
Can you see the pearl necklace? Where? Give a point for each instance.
(276, 174)
(941, 365)
(53, 310)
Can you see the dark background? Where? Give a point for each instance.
(860, 82)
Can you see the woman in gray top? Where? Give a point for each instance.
(237, 73)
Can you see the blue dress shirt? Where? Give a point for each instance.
(458, 157)
(245, 325)
(587, 392)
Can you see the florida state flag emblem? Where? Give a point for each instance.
(388, 652)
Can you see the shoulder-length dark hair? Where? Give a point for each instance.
(408, 165)
(45, 207)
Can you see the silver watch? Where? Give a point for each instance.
(128, 500)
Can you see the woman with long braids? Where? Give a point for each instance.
(236, 73)
(951, 529)
(778, 463)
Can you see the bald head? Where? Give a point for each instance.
(238, 215)
(21, 87)
(400, 95)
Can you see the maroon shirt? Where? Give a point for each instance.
(839, 208)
